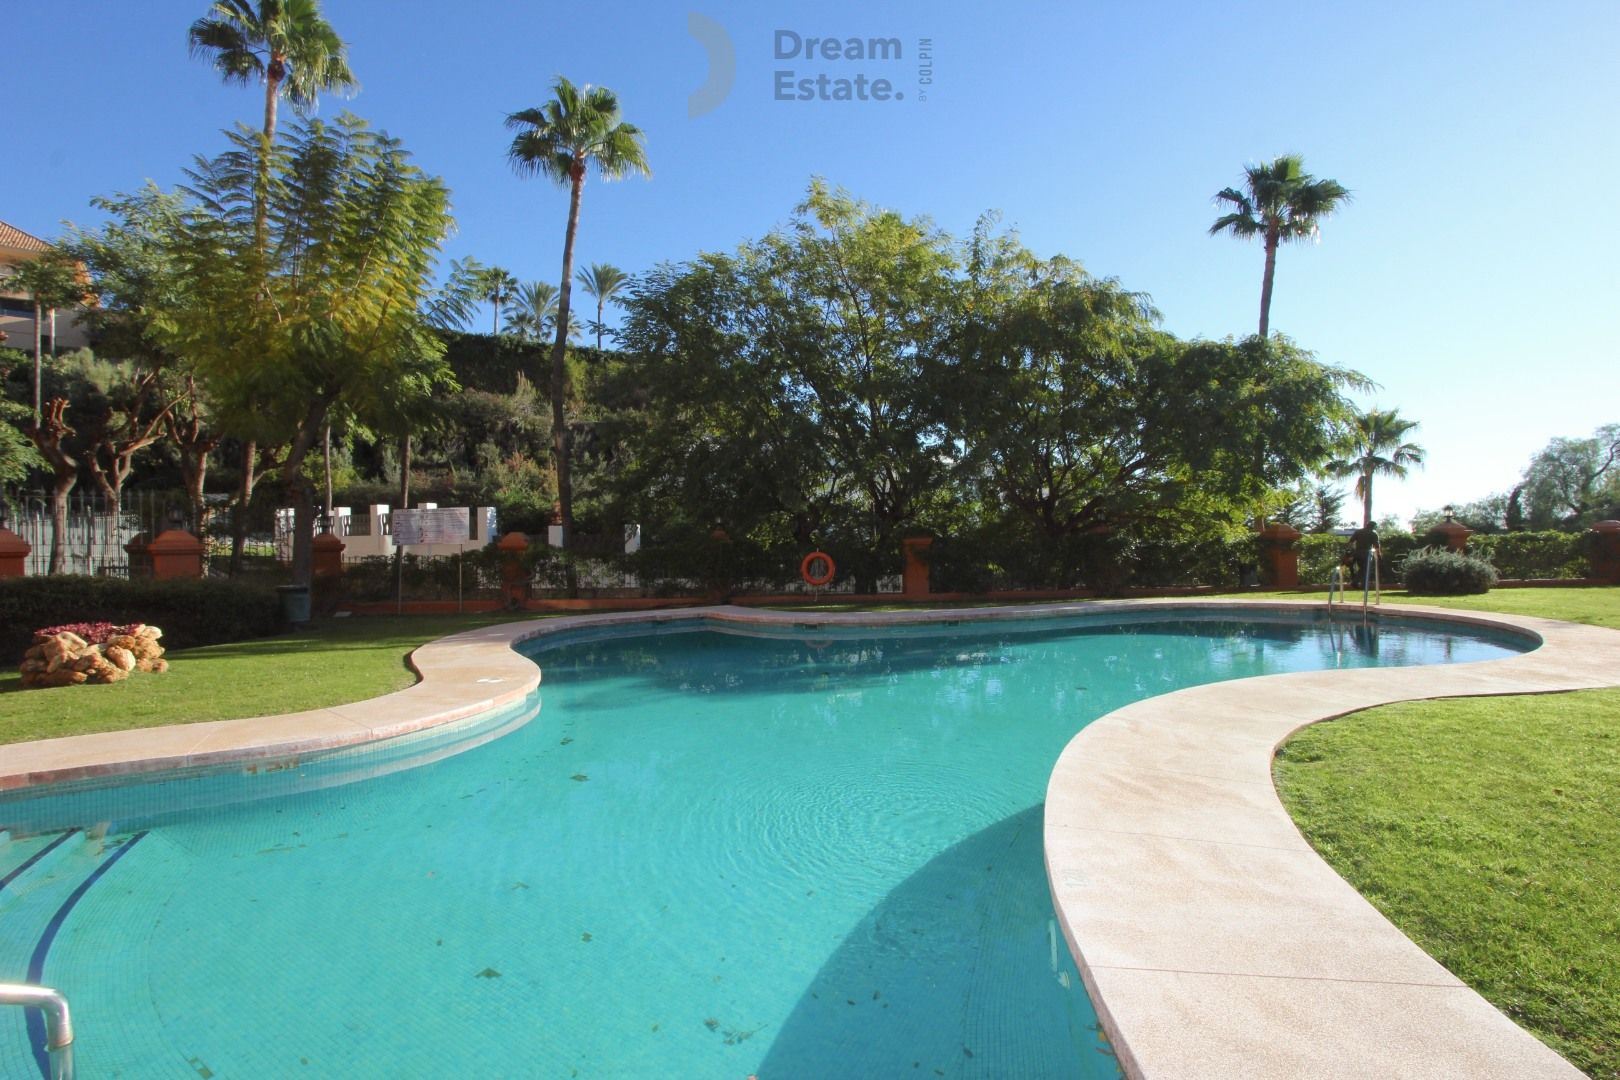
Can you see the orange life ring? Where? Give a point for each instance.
(817, 579)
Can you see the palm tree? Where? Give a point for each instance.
(534, 310)
(288, 45)
(499, 287)
(1378, 449)
(285, 43)
(1283, 202)
(602, 281)
(560, 140)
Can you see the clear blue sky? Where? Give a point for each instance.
(1473, 276)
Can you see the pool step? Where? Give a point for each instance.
(35, 889)
(24, 861)
(41, 876)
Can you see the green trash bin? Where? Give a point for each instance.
(294, 603)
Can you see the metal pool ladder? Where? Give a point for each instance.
(58, 1022)
(1372, 585)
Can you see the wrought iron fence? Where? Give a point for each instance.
(96, 531)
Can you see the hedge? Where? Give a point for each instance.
(205, 611)
(1532, 554)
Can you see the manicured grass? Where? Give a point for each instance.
(333, 662)
(1596, 605)
(1486, 829)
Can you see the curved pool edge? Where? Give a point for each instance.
(1212, 938)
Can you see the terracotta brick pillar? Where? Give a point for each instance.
(1453, 534)
(176, 554)
(326, 555)
(914, 576)
(1606, 551)
(1279, 559)
(13, 553)
(514, 577)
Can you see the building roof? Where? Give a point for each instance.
(14, 238)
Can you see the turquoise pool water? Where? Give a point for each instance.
(793, 854)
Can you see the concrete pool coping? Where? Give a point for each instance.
(1212, 938)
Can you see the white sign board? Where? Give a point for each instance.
(447, 526)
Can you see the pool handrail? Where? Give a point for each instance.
(58, 1021)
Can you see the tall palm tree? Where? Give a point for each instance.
(1378, 448)
(297, 54)
(1282, 202)
(284, 43)
(499, 287)
(602, 282)
(560, 140)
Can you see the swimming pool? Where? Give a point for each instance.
(798, 852)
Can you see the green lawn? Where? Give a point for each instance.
(1487, 830)
(333, 662)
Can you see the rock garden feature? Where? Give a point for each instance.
(91, 653)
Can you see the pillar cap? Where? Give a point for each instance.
(513, 541)
(1610, 526)
(1280, 530)
(12, 544)
(327, 542)
(175, 542)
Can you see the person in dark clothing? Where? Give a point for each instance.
(1363, 543)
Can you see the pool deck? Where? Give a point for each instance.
(1214, 941)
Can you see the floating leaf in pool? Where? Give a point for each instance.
(520, 885)
(586, 936)
(566, 741)
(711, 1023)
(579, 776)
(488, 973)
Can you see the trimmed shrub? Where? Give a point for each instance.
(1532, 554)
(205, 611)
(1438, 572)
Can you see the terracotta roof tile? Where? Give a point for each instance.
(15, 238)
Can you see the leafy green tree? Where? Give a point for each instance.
(295, 52)
(1311, 507)
(1487, 515)
(792, 390)
(333, 311)
(1572, 482)
(412, 402)
(1280, 202)
(17, 453)
(602, 283)
(51, 281)
(1378, 448)
(560, 140)
(145, 392)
